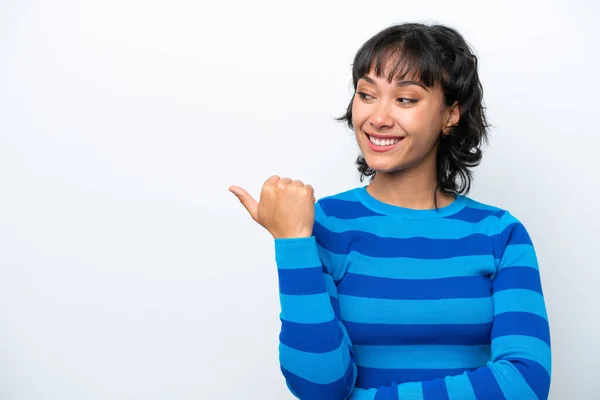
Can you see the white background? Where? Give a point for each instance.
(127, 271)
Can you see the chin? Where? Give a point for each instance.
(383, 166)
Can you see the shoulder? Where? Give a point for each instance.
(508, 230)
(500, 223)
(332, 213)
(475, 211)
(343, 205)
(332, 201)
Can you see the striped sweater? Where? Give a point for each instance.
(384, 302)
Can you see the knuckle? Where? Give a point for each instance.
(272, 180)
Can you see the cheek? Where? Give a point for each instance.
(358, 114)
(418, 123)
(412, 120)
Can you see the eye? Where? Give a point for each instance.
(364, 96)
(404, 100)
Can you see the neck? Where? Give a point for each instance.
(409, 188)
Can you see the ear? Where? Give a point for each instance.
(452, 118)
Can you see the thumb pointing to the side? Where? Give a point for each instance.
(247, 201)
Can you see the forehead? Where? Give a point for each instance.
(390, 77)
(396, 64)
(372, 79)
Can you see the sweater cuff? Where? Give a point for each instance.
(296, 253)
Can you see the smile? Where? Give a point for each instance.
(382, 143)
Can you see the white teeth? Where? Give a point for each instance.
(383, 142)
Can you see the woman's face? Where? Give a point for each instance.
(398, 124)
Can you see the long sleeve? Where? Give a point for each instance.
(315, 352)
(520, 365)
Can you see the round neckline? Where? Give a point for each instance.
(385, 208)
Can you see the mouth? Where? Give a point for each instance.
(383, 143)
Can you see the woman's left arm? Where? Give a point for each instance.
(520, 365)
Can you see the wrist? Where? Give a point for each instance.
(292, 236)
(296, 252)
(297, 234)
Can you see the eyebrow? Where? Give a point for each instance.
(399, 83)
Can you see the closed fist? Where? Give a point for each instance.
(286, 208)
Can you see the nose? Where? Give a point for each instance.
(382, 116)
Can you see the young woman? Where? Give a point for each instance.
(406, 288)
